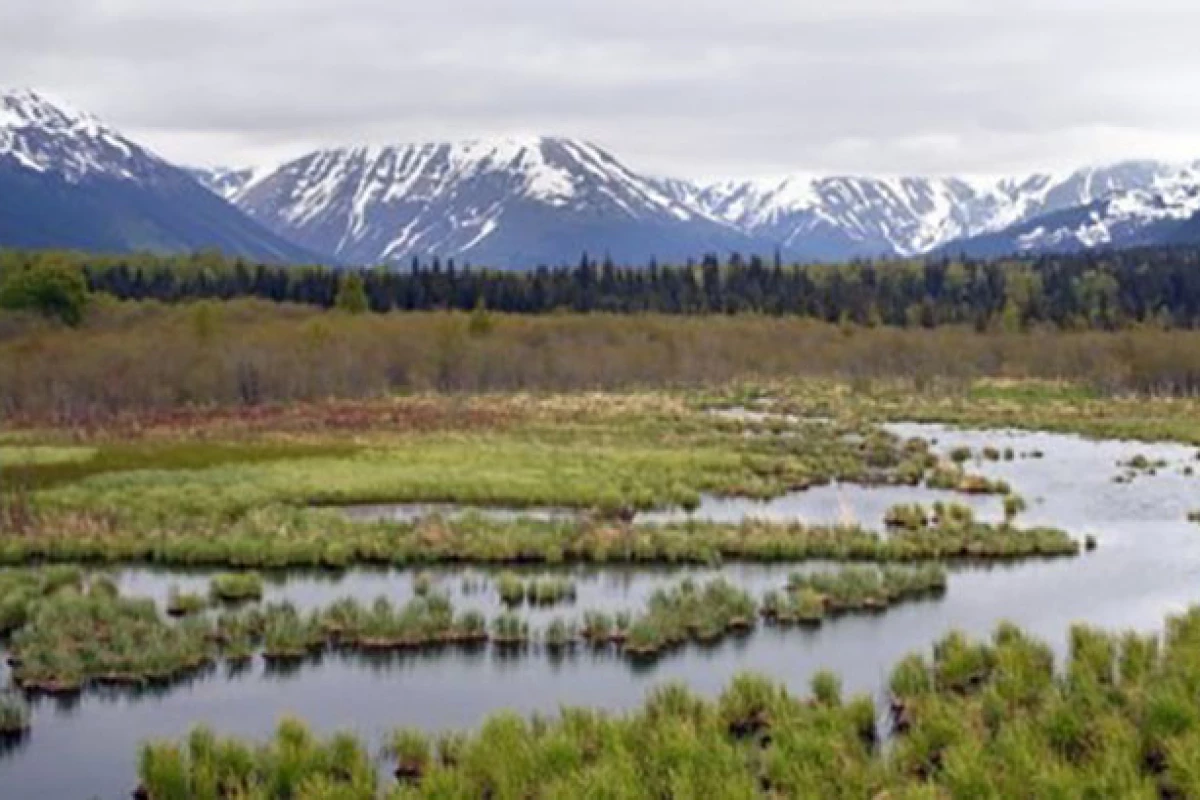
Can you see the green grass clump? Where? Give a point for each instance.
(1014, 504)
(909, 516)
(412, 752)
(288, 635)
(559, 635)
(22, 589)
(14, 715)
(950, 531)
(550, 590)
(972, 718)
(238, 635)
(543, 591)
(689, 612)
(960, 455)
(601, 628)
(235, 587)
(279, 537)
(183, 604)
(853, 589)
(422, 584)
(511, 588)
(802, 606)
(294, 764)
(75, 638)
(509, 630)
(424, 621)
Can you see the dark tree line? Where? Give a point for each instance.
(1101, 290)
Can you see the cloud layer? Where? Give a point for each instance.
(688, 87)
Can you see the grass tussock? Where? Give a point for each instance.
(991, 718)
(812, 596)
(14, 715)
(543, 591)
(279, 537)
(77, 637)
(689, 612)
(236, 587)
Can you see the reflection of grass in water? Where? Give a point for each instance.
(846, 515)
(969, 718)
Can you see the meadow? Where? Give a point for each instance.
(262, 490)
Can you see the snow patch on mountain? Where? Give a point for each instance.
(73, 181)
(837, 217)
(45, 134)
(455, 199)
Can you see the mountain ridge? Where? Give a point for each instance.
(68, 179)
(506, 201)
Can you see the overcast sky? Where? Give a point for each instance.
(689, 87)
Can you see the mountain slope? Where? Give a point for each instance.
(1158, 206)
(503, 202)
(69, 181)
(222, 181)
(812, 217)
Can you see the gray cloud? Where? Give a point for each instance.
(691, 87)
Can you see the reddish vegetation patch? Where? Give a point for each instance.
(402, 415)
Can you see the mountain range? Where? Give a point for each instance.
(69, 180)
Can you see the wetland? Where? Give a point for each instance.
(342, 586)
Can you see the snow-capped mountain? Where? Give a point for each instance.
(69, 180)
(839, 217)
(512, 202)
(810, 217)
(1130, 205)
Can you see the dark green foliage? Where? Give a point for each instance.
(1153, 285)
(351, 296)
(51, 289)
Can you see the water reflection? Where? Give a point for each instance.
(829, 504)
(1147, 565)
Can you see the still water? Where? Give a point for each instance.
(1147, 566)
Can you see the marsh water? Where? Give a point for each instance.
(1147, 566)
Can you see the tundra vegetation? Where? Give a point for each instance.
(810, 597)
(75, 637)
(259, 492)
(232, 434)
(236, 587)
(85, 634)
(542, 591)
(992, 718)
(182, 604)
(689, 612)
(14, 715)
